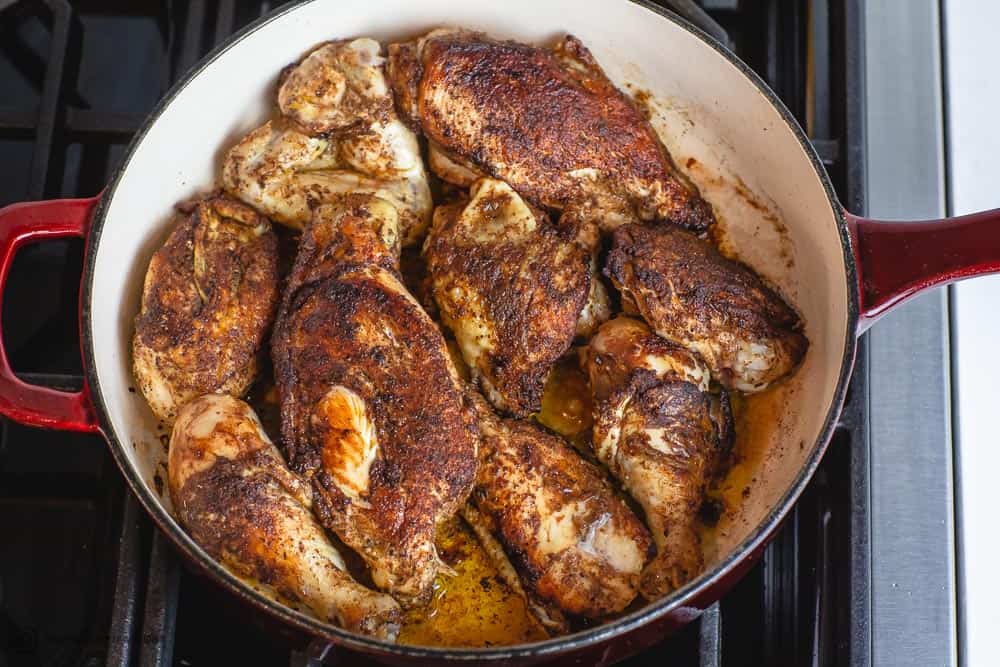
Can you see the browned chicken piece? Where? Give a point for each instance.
(574, 541)
(548, 122)
(207, 303)
(337, 86)
(372, 409)
(339, 135)
(233, 493)
(718, 308)
(661, 434)
(512, 287)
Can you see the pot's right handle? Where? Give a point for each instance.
(898, 260)
(20, 401)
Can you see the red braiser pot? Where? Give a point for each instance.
(736, 140)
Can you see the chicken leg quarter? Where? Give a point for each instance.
(372, 409)
(234, 495)
(660, 433)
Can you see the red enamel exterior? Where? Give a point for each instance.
(25, 403)
(898, 260)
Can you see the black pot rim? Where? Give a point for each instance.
(550, 647)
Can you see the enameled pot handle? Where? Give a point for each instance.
(897, 260)
(26, 403)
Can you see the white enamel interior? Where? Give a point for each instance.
(704, 106)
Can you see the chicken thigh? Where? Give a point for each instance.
(718, 308)
(234, 495)
(660, 433)
(574, 541)
(372, 409)
(512, 287)
(338, 135)
(548, 122)
(207, 303)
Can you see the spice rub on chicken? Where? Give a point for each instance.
(547, 121)
(233, 493)
(573, 540)
(661, 433)
(513, 288)
(371, 405)
(207, 303)
(692, 295)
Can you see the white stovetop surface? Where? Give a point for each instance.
(972, 69)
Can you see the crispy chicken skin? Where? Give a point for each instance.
(207, 303)
(718, 308)
(548, 122)
(338, 135)
(575, 542)
(238, 500)
(512, 287)
(372, 410)
(661, 434)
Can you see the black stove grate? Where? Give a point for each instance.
(85, 579)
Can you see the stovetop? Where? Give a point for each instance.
(85, 578)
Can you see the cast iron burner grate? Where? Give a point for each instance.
(85, 579)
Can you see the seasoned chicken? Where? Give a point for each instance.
(340, 135)
(718, 308)
(575, 542)
(512, 287)
(337, 86)
(548, 122)
(234, 495)
(372, 409)
(660, 433)
(207, 303)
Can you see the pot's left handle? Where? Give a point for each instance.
(30, 404)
